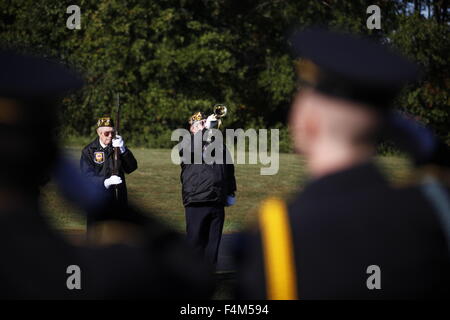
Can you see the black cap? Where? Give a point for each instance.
(34, 81)
(350, 67)
(105, 121)
(26, 76)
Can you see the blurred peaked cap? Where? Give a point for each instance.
(347, 66)
(26, 76)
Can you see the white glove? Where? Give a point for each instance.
(211, 122)
(112, 180)
(230, 200)
(117, 142)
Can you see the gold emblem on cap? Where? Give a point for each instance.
(307, 71)
(195, 117)
(104, 122)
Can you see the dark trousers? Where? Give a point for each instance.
(204, 226)
(114, 209)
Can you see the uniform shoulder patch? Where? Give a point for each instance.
(99, 157)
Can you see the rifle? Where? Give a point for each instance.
(116, 162)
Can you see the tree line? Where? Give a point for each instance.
(170, 58)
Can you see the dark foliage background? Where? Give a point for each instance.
(170, 58)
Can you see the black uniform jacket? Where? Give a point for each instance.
(206, 183)
(347, 221)
(96, 163)
(35, 263)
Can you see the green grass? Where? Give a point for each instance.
(156, 187)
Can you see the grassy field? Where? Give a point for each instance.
(156, 187)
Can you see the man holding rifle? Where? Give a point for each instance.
(98, 162)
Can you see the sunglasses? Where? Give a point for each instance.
(108, 133)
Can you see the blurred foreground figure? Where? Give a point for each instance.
(37, 263)
(349, 234)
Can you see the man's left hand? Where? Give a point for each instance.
(118, 142)
(231, 200)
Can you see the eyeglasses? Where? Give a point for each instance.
(108, 133)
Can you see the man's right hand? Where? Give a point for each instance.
(112, 180)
